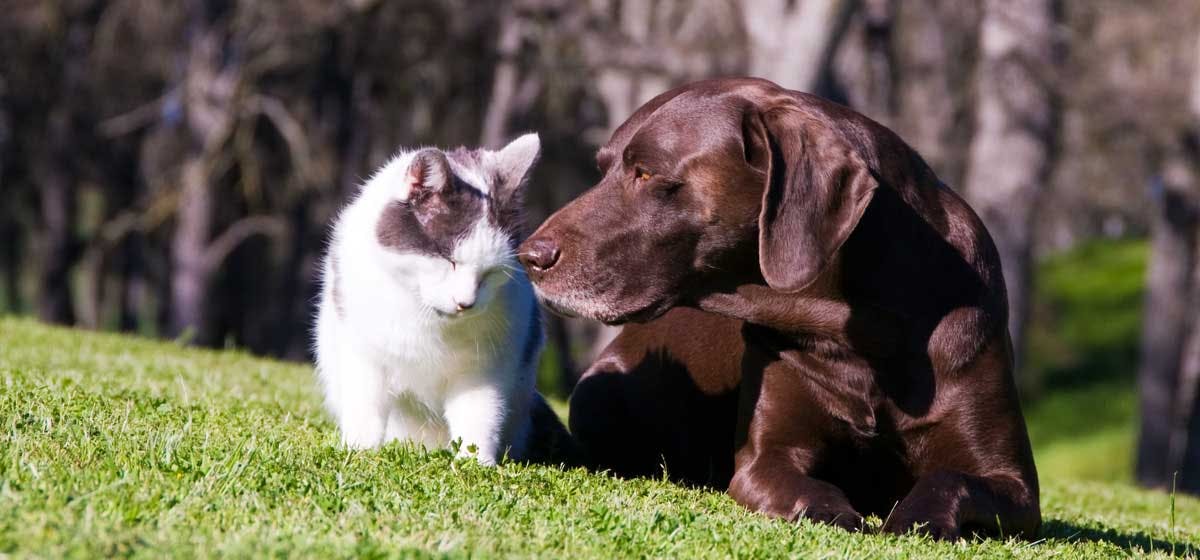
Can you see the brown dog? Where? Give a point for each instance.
(852, 355)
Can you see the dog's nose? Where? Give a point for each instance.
(539, 254)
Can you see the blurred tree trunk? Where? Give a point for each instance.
(792, 43)
(1190, 456)
(58, 243)
(936, 56)
(58, 175)
(1012, 153)
(1167, 317)
(10, 233)
(190, 274)
(9, 230)
(504, 82)
(1169, 372)
(1187, 430)
(909, 65)
(209, 85)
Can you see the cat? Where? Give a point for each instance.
(427, 328)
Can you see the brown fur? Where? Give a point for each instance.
(846, 351)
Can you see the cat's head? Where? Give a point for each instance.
(450, 221)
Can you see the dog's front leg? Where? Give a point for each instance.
(784, 440)
(772, 485)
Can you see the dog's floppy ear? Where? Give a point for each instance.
(817, 190)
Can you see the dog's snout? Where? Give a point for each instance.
(539, 254)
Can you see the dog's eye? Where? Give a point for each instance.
(641, 174)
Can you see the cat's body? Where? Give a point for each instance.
(427, 330)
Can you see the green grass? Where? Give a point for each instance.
(1087, 319)
(123, 446)
(113, 445)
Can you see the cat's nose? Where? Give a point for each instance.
(539, 254)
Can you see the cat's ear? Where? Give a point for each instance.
(512, 165)
(428, 172)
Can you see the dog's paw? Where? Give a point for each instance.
(844, 518)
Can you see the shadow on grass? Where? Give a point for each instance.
(1129, 542)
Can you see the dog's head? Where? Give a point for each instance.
(716, 182)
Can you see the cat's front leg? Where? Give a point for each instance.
(362, 402)
(410, 421)
(476, 415)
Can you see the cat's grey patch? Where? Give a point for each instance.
(430, 223)
(504, 208)
(508, 217)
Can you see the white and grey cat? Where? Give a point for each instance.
(428, 329)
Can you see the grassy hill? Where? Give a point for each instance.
(113, 445)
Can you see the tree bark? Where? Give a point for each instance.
(936, 54)
(1168, 282)
(1186, 435)
(9, 230)
(10, 258)
(210, 85)
(504, 82)
(1169, 371)
(1011, 155)
(909, 65)
(1190, 438)
(58, 244)
(791, 43)
(58, 175)
(190, 275)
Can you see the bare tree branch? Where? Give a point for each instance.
(241, 230)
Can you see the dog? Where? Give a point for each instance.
(815, 321)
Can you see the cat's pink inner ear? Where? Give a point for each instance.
(428, 171)
(412, 181)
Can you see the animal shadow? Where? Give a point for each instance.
(1130, 542)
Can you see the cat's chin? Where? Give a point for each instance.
(455, 315)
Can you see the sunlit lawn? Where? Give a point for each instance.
(113, 445)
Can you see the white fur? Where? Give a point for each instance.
(396, 361)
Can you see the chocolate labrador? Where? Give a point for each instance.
(817, 323)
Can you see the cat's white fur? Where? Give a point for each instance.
(394, 358)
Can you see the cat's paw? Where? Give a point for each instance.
(363, 436)
(472, 451)
(358, 441)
